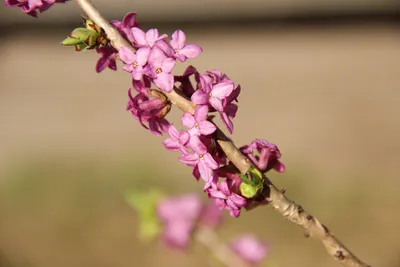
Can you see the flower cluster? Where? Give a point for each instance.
(150, 64)
(181, 216)
(32, 7)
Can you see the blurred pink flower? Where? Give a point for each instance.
(249, 248)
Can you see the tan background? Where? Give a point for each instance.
(327, 94)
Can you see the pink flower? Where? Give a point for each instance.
(249, 248)
(148, 39)
(31, 7)
(160, 69)
(145, 108)
(198, 124)
(204, 162)
(225, 198)
(179, 215)
(264, 155)
(182, 51)
(107, 58)
(124, 26)
(135, 62)
(211, 215)
(214, 94)
(177, 140)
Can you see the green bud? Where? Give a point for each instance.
(252, 183)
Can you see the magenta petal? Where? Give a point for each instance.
(137, 73)
(184, 137)
(216, 103)
(206, 83)
(234, 213)
(173, 132)
(168, 64)
(154, 129)
(220, 203)
(188, 120)
(206, 127)
(165, 47)
(216, 194)
(199, 97)
(142, 54)
(177, 234)
(191, 51)
(102, 64)
(223, 186)
(164, 81)
(151, 36)
(279, 167)
(205, 171)
(197, 145)
(126, 55)
(171, 144)
(209, 160)
(201, 112)
(249, 248)
(178, 39)
(129, 19)
(222, 90)
(139, 36)
(190, 159)
(227, 121)
(238, 200)
(156, 57)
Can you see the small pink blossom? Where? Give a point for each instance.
(160, 69)
(198, 123)
(107, 58)
(135, 62)
(182, 51)
(249, 248)
(214, 94)
(264, 155)
(225, 198)
(146, 39)
(179, 215)
(32, 7)
(204, 162)
(124, 26)
(177, 140)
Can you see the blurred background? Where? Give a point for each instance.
(321, 79)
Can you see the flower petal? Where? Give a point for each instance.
(164, 81)
(171, 144)
(142, 54)
(126, 55)
(224, 187)
(200, 113)
(216, 103)
(205, 171)
(200, 97)
(168, 64)
(209, 160)
(188, 120)
(197, 145)
(178, 39)
(222, 90)
(206, 127)
(139, 36)
(191, 51)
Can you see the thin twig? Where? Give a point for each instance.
(286, 207)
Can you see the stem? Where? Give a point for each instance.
(210, 240)
(286, 207)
